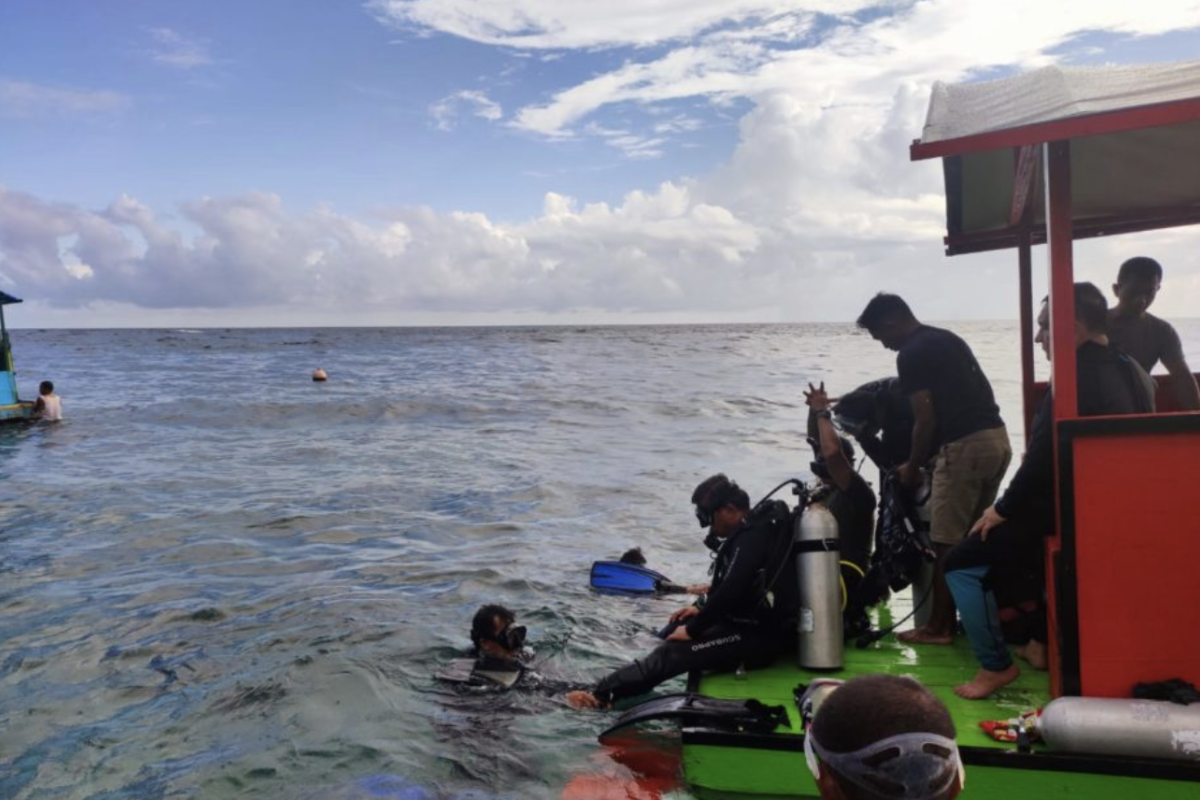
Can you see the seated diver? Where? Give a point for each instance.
(1003, 552)
(750, 615)
(496, 643)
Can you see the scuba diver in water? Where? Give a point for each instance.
(750, 613)
(497, 642)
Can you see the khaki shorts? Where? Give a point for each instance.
(966, 477)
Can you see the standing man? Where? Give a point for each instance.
(752, 608)
(1144, 336)
(955, 418)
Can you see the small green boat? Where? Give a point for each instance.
(720, 764)
(1051, 156)
(11, 407)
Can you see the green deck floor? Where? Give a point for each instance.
(938, 667)
(772, 766)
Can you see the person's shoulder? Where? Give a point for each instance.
(1159, 325)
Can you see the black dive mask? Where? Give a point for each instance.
(704, 517)
(511, 637)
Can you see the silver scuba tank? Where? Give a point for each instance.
(1140, 728)
(817, 555)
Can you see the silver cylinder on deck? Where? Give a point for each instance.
(817, 556)
(1118, 727)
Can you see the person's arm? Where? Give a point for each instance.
(1170, 352)
(1033, 483)
(840, 469)
(1187, 394)
(924, 430)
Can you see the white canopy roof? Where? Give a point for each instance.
(1054, 93)
(1134, 133)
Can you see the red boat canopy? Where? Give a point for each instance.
(1135, 150)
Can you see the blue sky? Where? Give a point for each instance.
(427, 161)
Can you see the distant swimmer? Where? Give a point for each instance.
(319, 375)
(48, 406)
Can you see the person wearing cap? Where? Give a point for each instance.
(750, 613)
(883, 737)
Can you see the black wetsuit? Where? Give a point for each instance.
(738, 624)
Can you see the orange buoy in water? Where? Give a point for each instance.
(319, 375)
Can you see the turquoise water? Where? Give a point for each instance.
(219, 579)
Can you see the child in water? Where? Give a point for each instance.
(48, 406)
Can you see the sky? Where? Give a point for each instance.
(206, 163)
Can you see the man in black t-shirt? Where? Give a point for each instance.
(957, 423)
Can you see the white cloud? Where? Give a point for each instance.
(816, 207)
(445, 112)
(23, 99)
(176, 50)
(572, 24)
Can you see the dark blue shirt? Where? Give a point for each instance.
(938, 361)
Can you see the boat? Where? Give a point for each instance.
(1046, 157)
(12, 409)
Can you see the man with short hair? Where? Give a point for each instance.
(957, 420)
(883, 737)
(1144, 336)
(750, 614)
(1004, 552)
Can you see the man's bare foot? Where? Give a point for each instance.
(924, 635)
(985, 682)
(1034, 652)
(582, 699)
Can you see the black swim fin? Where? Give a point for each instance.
(734, 715)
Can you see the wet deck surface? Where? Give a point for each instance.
(939, 667)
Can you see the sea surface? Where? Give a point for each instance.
(221, 580)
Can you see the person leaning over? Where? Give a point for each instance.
(882, 737)
(956, 418)
(1144, 336)
(1003, 553)
(750, 614)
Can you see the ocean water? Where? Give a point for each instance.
(219, 579)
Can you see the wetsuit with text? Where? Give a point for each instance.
(748, 618)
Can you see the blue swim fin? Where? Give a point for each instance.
(621, 578)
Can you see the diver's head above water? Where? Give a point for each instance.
(495, 632)
(721, 506)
